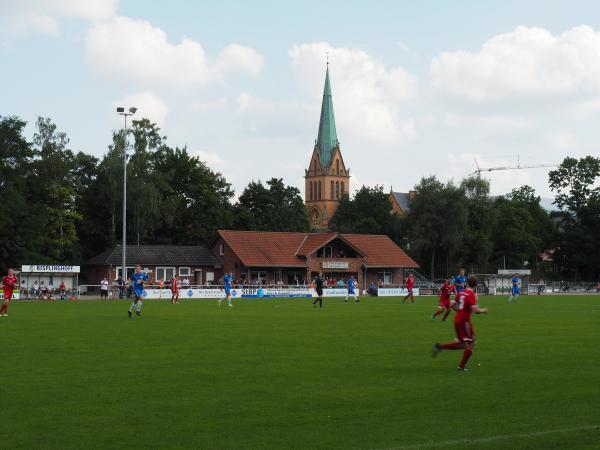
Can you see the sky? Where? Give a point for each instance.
(419, 88)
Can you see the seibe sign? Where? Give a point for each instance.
(49, 268)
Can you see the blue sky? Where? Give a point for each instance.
(419, 88)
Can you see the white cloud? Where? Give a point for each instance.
(561, 140)
(149, 106)
(366, 93)
(136, 52)
(45, 15)
(525, 62)
(211, 158)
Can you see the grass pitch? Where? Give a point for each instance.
(280, 374)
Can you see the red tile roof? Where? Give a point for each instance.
(380, 251)
(287, 249)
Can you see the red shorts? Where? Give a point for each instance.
(464, 331)
(7, 295)
(410, 291)
(445, 303)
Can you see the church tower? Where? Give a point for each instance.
(326, 179)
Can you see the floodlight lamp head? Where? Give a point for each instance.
(120, 109)
(132, 110)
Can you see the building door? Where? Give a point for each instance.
(198, 277)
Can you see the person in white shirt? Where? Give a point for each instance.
(104, 289)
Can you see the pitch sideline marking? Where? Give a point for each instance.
(501, 437)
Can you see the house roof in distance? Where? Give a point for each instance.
(157, 255)
(403, 200)
(288, 249)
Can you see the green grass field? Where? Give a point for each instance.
(280, 374)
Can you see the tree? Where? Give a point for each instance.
(55, 193)
(477, 246)
(574, 181)
(437, 220)
(19, 224)
(278, 208)
(368, 212)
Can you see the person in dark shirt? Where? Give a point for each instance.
(318, 283)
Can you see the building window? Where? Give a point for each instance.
(385, 276)
(316, 218)
(332, 194)
(130, 270)
(327, 252)
(184, 271)
(164, 273)
(221, 250)
(337, 190)
(319, 189)
(337, 166)
(342, 188)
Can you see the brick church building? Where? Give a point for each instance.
(327, 177)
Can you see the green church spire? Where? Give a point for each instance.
(327, 140)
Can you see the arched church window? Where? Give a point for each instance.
(337, 166)
(319, 189)
(332, 193)
(337, 190)
(342, 188)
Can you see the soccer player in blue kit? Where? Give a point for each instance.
(138, 279)
(516, 289)
(460, 281)
(227, 280)
(351, 290)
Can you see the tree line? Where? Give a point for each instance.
(63, 206)
(453, 224)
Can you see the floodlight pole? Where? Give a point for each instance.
(124, 113)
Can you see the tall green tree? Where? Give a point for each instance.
(276, 208)
(20, 223)
(437, 221)
(55, 192)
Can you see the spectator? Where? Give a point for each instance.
(62, 289)
(186, 282)
(372, 289)
(104, 289)
(35, 289)
(129, 288)
(50, 290)
(121, 286)
(43, 291)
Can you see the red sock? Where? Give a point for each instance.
(451, 346)
(438, 312)
(412, 298)
(4, 308)
(446, 315)
(465, 358)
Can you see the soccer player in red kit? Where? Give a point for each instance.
(410, 283)
(445, 306)
(174, 291)
(465, 304)
(9, 283)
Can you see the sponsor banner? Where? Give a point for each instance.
(235, 293)
(335, 264)
(513, 271)
(395, 292)
(275, 293)
(51, 269)
(15, 296)
(333, 292)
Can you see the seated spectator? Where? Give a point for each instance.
(340, 283)
(372, 290)
(186, 282)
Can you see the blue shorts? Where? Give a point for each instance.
(227, 290)
(516, 291)
(139, 293)
(351, 291)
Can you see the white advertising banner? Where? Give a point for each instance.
(245, 292)
(332, 292)
(15, 296)
(335, 264)
(395, 292)
(49, 268)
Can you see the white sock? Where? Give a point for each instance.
(131, 307)
(221, 300)
(139, 306)
(229, 300)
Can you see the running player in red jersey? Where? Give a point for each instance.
(445, 302)
(465, 304)
(410, 284)
(174, 291)
(9, 283)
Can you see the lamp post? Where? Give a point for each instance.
(130, 112)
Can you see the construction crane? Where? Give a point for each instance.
(517, 167)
